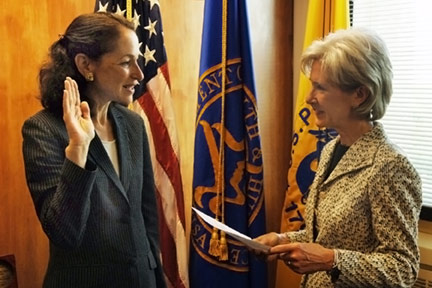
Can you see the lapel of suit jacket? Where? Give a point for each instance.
(99, 155)
(312, 200)
(361, 154)
(123, 148)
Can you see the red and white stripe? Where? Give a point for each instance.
(156, 109)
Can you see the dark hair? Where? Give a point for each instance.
(92, 34)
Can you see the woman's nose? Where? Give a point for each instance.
(137, 72)
(310, 96)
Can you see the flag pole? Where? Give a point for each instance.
(129, 9)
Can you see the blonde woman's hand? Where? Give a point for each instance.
(304, 257)
(270, 239)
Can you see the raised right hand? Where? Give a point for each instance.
(79, 126)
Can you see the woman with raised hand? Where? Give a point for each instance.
(87, 160)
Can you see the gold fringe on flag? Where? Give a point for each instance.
(214, 243)
(223, 247)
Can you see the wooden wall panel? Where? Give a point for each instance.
(27, 28)
(271, 26)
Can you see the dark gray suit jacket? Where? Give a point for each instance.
(103, 229)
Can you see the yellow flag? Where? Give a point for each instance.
(322, 17)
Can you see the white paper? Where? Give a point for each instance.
(233, 233)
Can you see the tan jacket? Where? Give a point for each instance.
(368, 208)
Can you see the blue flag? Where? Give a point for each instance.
(228, 166)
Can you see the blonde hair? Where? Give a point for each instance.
(351, 59)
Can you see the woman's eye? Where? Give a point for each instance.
(125, 63)
(319, 87)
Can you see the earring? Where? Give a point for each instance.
(89, 77)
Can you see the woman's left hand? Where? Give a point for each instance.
(304, 257)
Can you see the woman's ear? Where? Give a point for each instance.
(83, 63)
(362, 93)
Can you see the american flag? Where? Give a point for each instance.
(152, 101)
